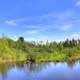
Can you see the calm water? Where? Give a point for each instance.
(43, 71)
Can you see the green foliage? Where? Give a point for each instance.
(21, 50)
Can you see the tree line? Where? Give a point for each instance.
(33, 51)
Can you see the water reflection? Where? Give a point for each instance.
(41, 71)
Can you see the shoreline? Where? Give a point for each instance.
(69, 59)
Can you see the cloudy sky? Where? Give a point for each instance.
(40, 19)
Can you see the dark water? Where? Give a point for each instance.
(43, 71)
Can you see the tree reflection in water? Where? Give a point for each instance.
(36, 68)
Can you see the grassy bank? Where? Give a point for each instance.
(53, 58)
(41, 58)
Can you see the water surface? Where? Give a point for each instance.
(42, 71)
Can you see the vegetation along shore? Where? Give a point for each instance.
(21, 50)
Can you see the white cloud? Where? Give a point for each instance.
(65, 15)
(75, 35)
(32, 27)
(15, 37)
(11, 22)
(14, 22)
(44, 19)
(32, 31)
(30, 39)
(66, 27)
(77, 3)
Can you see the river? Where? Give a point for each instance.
(41, 71)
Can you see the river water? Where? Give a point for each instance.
(41, 71)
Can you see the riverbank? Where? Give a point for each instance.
(43, 58)
(20, 50)
(58, 58)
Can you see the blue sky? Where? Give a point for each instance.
(40, 19)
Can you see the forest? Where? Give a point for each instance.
(21, 50)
